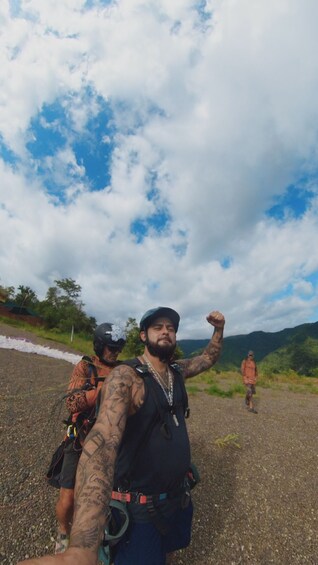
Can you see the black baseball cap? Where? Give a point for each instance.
(159, 312)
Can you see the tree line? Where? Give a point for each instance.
(62, 311)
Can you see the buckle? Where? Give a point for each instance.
(125, 496)
(144, 499)
(137, 497)
(121, 496)
(71, 431)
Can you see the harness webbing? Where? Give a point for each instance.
(143, 371)
(91, 370)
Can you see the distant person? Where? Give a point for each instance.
(249, 373)
(138, 451)
(85, 384)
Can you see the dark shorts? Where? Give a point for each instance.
(69, 466)
(143, 544)
(250, 389)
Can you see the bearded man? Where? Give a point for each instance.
(138, 451)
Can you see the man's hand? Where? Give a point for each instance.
(195, 365)
(71, 556)
(216, 319)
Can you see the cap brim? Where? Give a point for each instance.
(163, 312)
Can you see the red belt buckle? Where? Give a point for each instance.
(121, 496)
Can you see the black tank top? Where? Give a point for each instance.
(161, 461)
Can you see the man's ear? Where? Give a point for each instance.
(143, 336)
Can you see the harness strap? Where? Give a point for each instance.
(138, 497)
(91, 370)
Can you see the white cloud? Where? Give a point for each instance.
(217, 116)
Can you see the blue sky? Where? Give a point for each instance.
(163, 153)
(52, 130)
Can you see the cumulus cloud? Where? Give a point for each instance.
(197, 118)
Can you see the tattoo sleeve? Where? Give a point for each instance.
(94, 478)
(200, 363)
(76, 399)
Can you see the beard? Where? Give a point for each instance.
(163, 352)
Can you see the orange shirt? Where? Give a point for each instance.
(249, 371)
(84, 400)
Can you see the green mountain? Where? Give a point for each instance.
(292, 348)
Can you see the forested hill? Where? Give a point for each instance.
(295, 348)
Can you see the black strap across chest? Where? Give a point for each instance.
(91, 371)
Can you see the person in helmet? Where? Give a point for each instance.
(108, 341)
(139, 452)
(82, 395)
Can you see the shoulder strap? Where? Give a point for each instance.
(143, 371)
(185, 401)
(136, 364)
(97, 380)
(91, 371)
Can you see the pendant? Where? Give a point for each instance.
(175, 419)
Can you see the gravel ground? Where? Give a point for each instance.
(256, 504)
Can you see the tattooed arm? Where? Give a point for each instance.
(94, 477)
(200, 363)
(76, 400)
(122, 394)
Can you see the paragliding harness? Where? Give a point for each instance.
(79, 429)
(76, 432)
(122, 496)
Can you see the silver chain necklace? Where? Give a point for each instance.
(167, 390)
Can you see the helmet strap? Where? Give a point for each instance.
(107, 363)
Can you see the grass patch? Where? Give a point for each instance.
(290, 381)
(80, 343)
(231, 440)
(193, 389)
(306, 387)
(215, 390)
(238, 389)
(208, 377)
(312, 388)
